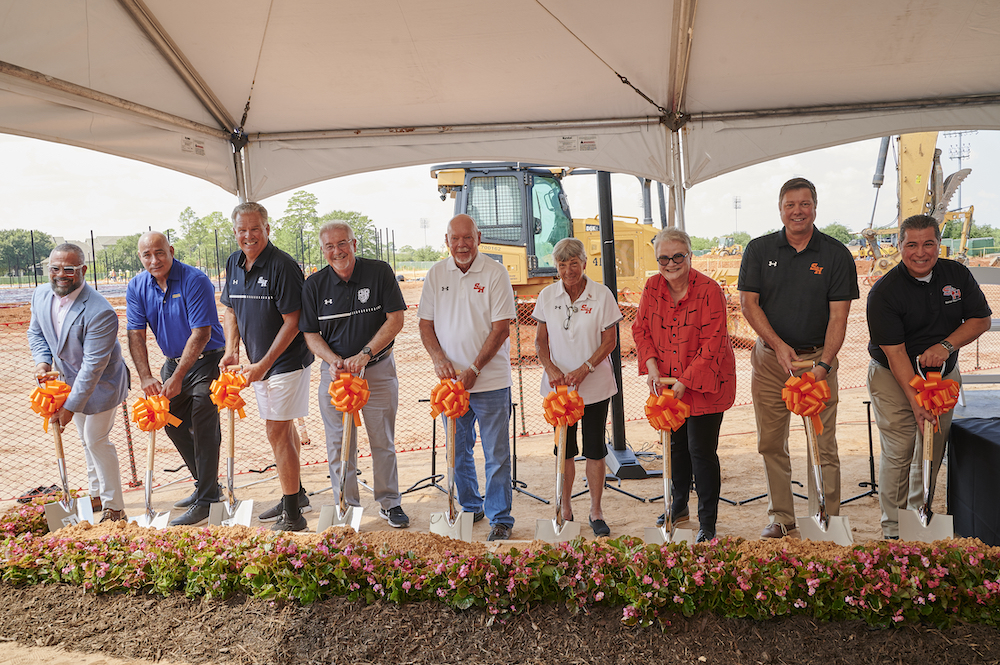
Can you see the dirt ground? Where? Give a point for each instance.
(57, 624)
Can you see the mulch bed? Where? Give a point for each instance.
(245, 630)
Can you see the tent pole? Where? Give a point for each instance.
(663, 205)
(611, 281)
(678, 185)
(241, 185)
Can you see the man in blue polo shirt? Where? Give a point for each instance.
(922, 311)
(796, 287)
(263, 298)
(352, 311)
(177, 303)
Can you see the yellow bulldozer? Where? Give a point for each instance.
(522, 212)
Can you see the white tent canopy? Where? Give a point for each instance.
(313, 89)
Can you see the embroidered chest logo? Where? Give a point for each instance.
(262, 282)
(586, 309)
(479, 288)
(328, 301)
(772, 264)
(818, 269)
(444, 288)
(363, 295)
(236, 281)
(951, 294)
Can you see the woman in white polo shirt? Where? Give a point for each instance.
(577, 324)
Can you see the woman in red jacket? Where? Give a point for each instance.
(680, 332)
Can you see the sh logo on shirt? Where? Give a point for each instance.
(951, 294)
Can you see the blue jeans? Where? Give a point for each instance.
(492, 410)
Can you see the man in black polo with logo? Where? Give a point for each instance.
(177, 302)
(352, 311)
(922, 311)
(796, 287)
(263, 298)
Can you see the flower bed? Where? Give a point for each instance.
(881, 583)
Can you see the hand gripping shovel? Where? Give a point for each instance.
(46, 401)
(151, 414)
(562, 409)
(226, 395)
(348, 394)
(452, 401)
(667, 413)
(807, 398)
(923, 525)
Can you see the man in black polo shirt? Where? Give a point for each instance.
(263, 298)
(796, 287)
(177, 302)
(922, 311)
(352, 311)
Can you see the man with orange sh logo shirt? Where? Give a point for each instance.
(796, 287)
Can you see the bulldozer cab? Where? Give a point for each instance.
(514, 205)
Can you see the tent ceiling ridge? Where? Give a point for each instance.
(864, 107)
(73, 89)
(456, 129)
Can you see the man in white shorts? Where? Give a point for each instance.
(263, 298)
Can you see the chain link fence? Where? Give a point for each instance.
(27, 458)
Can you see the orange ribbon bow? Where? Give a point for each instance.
(666, 412)
(563, 407)
(349, 393)
(450, 398)
(805, 396)
(49, 398)
(153, 413)
(226, 392)
(937, 395)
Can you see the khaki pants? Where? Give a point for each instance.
(773, 417)
(900, 469)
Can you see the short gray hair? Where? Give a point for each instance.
(338, 224)
(70, 247)
(569, 248)
(672, 234)
(248, 208)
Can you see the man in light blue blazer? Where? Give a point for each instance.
(74, 331)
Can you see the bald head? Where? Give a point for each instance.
(156, 256)
(463, 240)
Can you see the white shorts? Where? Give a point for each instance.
(284, 396)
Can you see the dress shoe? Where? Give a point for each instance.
(195, 515)
(705, 535)
(679, 517)
(113, 516)
(189, 500)
(776, 530)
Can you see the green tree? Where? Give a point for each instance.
(364, 229)
(15, 250)
(699, 244)
(838, 231)
(196, 242)
(297, 232)
(122, 256)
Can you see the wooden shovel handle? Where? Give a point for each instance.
(667, 381)
(803, 364)
(928, 441)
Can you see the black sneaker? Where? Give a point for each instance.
(195, 515)
(288, 524)
(499, 532)
(395, 517)
(272, 514)
(478, 516)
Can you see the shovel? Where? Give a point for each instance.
(668, 533)
(342, 514)
(558, 530)
(231, 512)
(68, 510)
(821, 526)
(454, 524)
(151, 518)
(923, 525)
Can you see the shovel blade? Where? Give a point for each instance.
(659, 535)
(550, 532)
(332, 516)
(59, 515)
(152, 520)
(838, 530)
(224, 513)
(460, 530)
(939, 527)
(85, 511)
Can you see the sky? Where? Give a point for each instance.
(69, 192)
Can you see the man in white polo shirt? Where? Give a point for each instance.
(465, 310)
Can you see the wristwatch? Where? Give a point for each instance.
(949, 347)
(368, 350)
(824, 366)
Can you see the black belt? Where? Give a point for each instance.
(805, 349)
(207, 353)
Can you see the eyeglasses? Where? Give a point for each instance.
(570, 311)
(676, 258)
(66, 270)
(340, 246)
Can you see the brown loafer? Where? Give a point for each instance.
(113, 516)
(776, 530)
